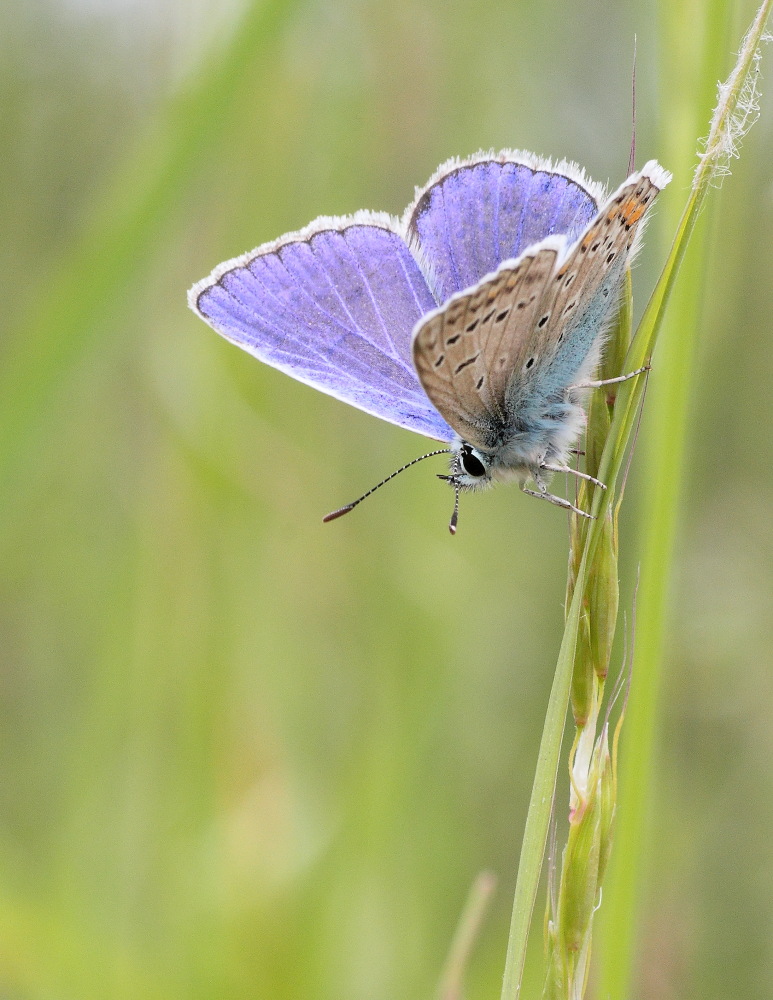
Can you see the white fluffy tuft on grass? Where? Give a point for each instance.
(738, 108)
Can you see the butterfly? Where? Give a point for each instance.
(477, 319)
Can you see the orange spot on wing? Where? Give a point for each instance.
(632, 210)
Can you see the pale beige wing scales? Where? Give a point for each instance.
(465, 351)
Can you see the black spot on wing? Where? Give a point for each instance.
(464, 364)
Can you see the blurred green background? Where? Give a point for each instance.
(249, 755)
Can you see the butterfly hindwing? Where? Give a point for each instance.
(586, 286)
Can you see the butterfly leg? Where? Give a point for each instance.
(558, 501)
(544, 495)
(574, 472)
(610, 381)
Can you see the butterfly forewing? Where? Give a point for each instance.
(465, 352)
(334, 306)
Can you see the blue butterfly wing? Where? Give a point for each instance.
(474, 214)
(333, 306)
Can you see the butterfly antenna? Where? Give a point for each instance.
(632, 158)
(350, 506)
(455, 516)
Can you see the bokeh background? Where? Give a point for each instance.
(248, 755)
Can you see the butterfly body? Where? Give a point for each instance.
(476, 319)
(537, 436)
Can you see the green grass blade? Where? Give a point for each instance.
(652, 603)
(665, 458)
(540, 804)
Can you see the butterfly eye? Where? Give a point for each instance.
(471, 464)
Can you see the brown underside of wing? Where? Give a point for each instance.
(464, 355)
